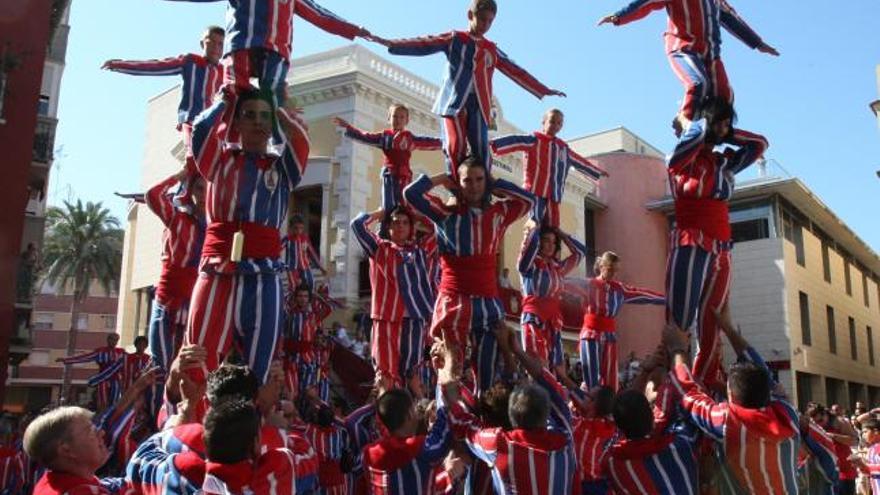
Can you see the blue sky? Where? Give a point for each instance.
(812, 102)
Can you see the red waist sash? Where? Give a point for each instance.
(599, 323)
(547, 308)
(711, 216)
(175, 284)
(260, 241)
(468, 275)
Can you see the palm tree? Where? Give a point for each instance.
(83, 246)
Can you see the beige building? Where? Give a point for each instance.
(805, 292)
(342, 178)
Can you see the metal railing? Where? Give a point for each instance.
(44, 140)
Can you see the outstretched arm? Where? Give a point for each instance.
(639, 295)
(170, 66)
(751, 147)
(522, 77)
(424, 45)
(426, 143)
(328, 21)
(633, 12)
(86, 357)
(511, 144)
(585, 166)
(369, 138)
(735, 25)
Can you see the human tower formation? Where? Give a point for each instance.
(237, 267)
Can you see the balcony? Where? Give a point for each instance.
(44, 140)
(58, 46)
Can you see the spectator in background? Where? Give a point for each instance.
(504, 280)
(341, 335)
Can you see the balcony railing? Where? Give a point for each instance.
(44, 140)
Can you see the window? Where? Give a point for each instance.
(870, 333)
(826, 261)
(82, 322)
(832, 330)
(853, 340)
(865, 289)
(750, 230)
(43, 106)
(847, 277)
(799, 245)
(109, 321)
(44, 321)
(792, 228)
(806, 336)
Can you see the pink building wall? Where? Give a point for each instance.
(639, 236)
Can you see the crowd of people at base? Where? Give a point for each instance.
(234, 395)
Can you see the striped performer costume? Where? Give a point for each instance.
(757, 448)
(591, 437)
(259, 39)
(12, 476)
(126, 369)
(361, 425)
(659, 464)
(698, 267)
(323, 351)
(182, 241)
(201, 81)
(872, 463)
(526, 462)
(542, 286)
(331, 443)
(107, 389)
(246, 192)
(603, 300)
(820, 453)
(397, 146)
(299, 343)
(299, 257)
(465, 99)
(57, 483)
(468, 241)
(548, 159)
(402, 298)
(405, 466)
(693, 43)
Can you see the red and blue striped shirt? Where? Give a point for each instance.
(303, 324)
(244, 186)
(471, 63)
(399, 276)
(405, 466)
(542, 277)
(104, 357)
(397, 146)
(268, 24)
(591, 437)
(694, 25)
(299, 253)
(201, 79)
(184, 233)
(659, 464)
(547, 162)
(605, 298)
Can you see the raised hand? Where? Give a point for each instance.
(608, 19)
(106, 65)
(556, 92)
(765, 48)
(340, 122)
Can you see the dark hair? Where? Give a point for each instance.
(140, 338)
(478, 6)
(213, 30)
(557, 244)
(231, 431)
(494, 405)
(604, 400)
(632, 414)
(749, 385)
(529, 407)
(230, 380)
(393, 407)
(871, 424)
(295, 219)
(253, 93)
(715, 110)
(473, 161)
(302, 288)
(324, 416)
